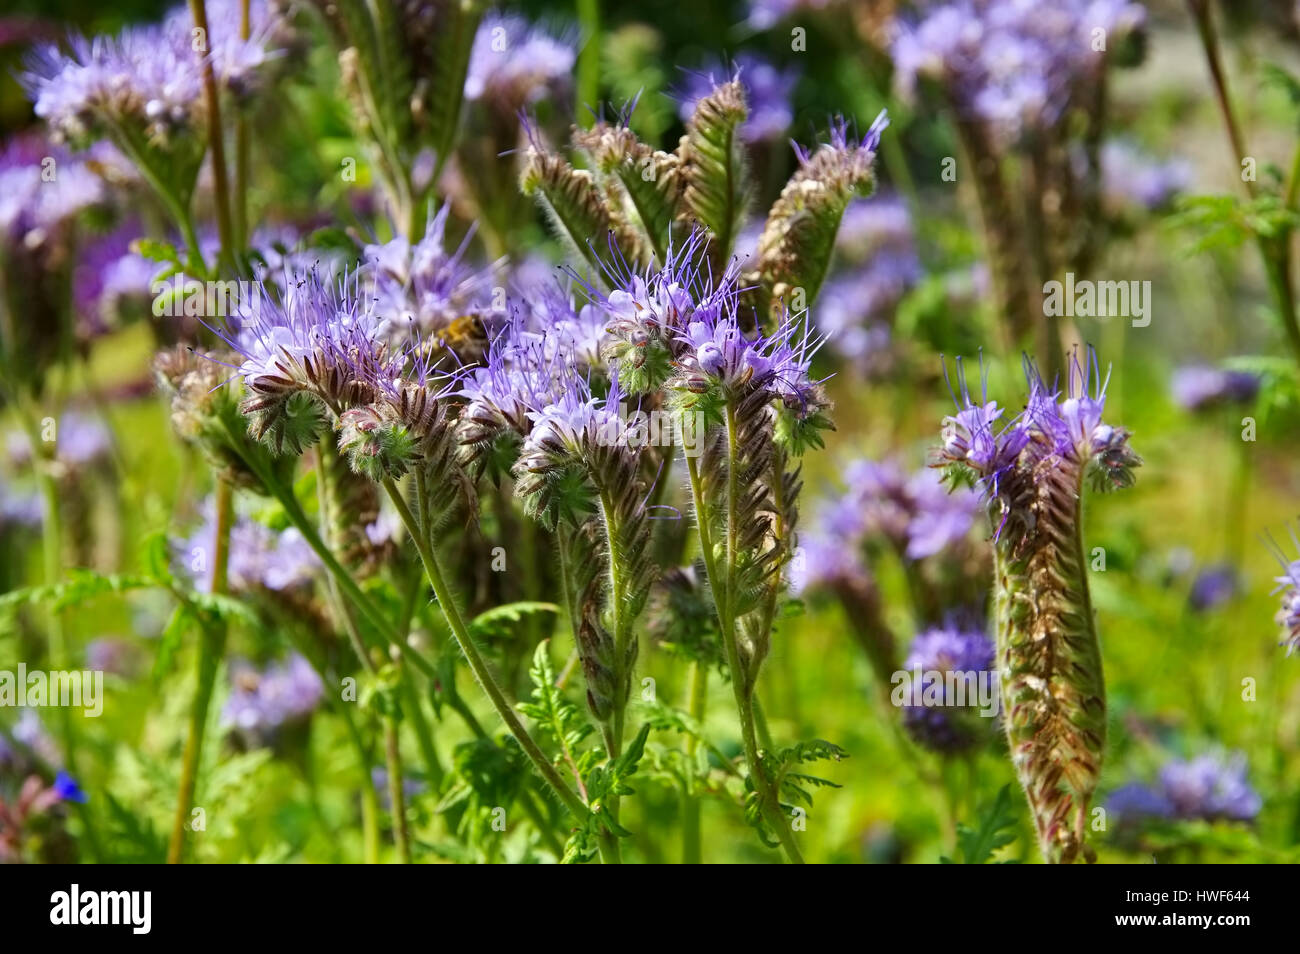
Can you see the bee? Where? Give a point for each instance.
(465, 337)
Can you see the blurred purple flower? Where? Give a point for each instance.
(258, 555)
(1213, 586)
(66, 787)
(765, 14)
(948, 727)
(1209, 787)
(80, 440)
(1131, 178)
(111, 280)
(514, 63)
(262, 701)
(1014, 65)
(1198, 387)
(111, 654)
(768, 91)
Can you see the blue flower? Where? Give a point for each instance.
(66, 787)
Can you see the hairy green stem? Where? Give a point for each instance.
(697, 701)
(212, 644)
(347, 585)
(477, 664)
(740, 684)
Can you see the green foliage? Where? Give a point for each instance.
(560, 719)
(603, 783)
(500, 621)
(794, 787)
(1225, 222)
(978, 845)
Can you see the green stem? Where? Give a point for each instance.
(216, 144)
(241, 150)
(588, 60)
(697, 701)
(1276, 251)
(477, 664)
(740, 684)
(397, 792)
(212, 644)
(348, 586)
(369, 797)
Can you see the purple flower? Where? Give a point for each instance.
(768, 91)
(948, 726)
(42, 191)
(871, 225)
(940, 519)
(1135, 801)
(853, 158)
(30, 732)
(1213, 586)
(1210, 787)
(110, 280)
(80, 440)
(1130, 178)
(1013, 65)
(975, 438)
(422, 289)
(110, 654)
(1288, 584)
(1064, 424)
(319, 333)
(19, 509)
(917, 515)
(514, 63)
(826, 558)
(765, 14)
(262, 701)
(147, 78)
(576, 419)
(1200, 387)
(259, 556)
(527, 363)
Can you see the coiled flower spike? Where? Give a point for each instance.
(1033, 473)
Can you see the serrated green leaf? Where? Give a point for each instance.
(996, 830)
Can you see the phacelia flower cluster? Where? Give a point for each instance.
(1008, 458)
(855, 309)
(1200, 387)
(149, 79)
(259, 556)
(264, 701)
(1012, 65)
(1288, 614)
(43, 190)
(425, 290)
(1211, 787)
(932, 717)
(514, 63)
